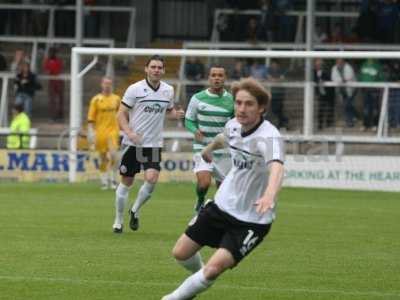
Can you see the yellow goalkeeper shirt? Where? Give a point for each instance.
(102, 112)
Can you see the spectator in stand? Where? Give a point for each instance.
(370, 71)
(325, 95)
(284, 23)
(276, 75)
(222, 27)
(19, 129)
(367, 21)
(91, 20)
(19, 58)
(239, 71)
(388, 20)
(337, 36)
(342, 72)
(25, 86)
(394, 95)
(252, 31)
(267, 20)
(258, 70)
(320, 35)
(53, 66)
(194, 71)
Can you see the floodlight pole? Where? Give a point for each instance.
(309, 85)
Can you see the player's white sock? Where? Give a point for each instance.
(113, 175)
(112, 179)
(143, 195)
(104, 179)
(121, 197)
(192, 264)
(192, 286)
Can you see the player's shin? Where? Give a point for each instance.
(113, 175)
(201, 194)
(121, 198)
(144, 194)
(192, 264)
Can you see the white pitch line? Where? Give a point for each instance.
(217, 286)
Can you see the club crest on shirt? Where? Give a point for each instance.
(123, 169)
(165, 93)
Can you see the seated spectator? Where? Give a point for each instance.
(53, 66)
(195, 71)
(370, 71)
(20, 125)
(222, 27)
(239, 71)
(285, 24)
(252, 31)
(337, 36)
(325, 95)
(19, 58)
(267, 23)
(276, 74)
(258, 70)
(366, 22)
(25, 88)
(342, 72)
(394, 95)
(320, 36)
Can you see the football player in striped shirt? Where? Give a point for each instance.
(206, 116)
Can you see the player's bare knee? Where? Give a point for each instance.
(152, 179)
(178, 253)
(213, 270)
(127, 181)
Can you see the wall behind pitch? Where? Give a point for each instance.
(344, 172)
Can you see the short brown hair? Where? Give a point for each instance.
(155, 57)
(254, 88)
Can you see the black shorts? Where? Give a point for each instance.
(217, 229)
(135, 158)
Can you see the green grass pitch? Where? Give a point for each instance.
(56, 243)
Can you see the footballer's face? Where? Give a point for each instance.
(247, 110)
(216, 78)
(154, 70)
(106, 86)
